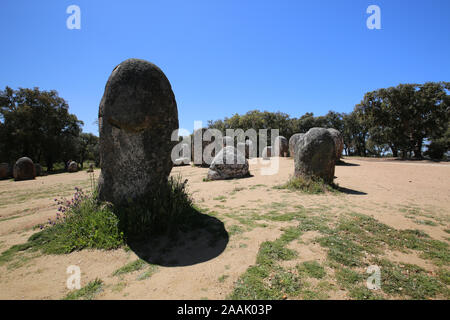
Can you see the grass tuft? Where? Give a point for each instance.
(88, 292)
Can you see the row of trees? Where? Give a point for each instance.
(37, 124)
(397, 121)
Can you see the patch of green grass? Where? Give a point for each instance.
(364, 233)
(444, 276)
(312, 269)
(88, 292)
(222, 278)
(131, 267)
(408, 280)
(348, 278)
(220, 198)
(255, 283)
(343, 250)
(307, 185)
(271, 252)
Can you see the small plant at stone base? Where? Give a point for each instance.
(308, 185)
(168, 208)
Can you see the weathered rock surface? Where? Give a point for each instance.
(281, 147)
(338, 142)
(292, 141)
(5, 171)
(267, 153)
(137, 116)
(24, 169)
(315, 155)
(228, 141)
(229, 163)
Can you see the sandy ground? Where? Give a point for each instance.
(376, 188)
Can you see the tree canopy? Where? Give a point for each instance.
(37, 124)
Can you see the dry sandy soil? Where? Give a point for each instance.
(386, 190)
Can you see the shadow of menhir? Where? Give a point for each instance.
(204, 240)
(350, 191)
(347, 164)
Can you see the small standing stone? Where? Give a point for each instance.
(267, 153)
(315, 155)
(5, 171)
(72, 167)
(24, 169)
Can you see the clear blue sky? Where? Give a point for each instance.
(226, 57)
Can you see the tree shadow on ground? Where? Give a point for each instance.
(349, 191)
(206, 240)
(347, 164)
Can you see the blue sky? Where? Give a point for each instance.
(226, 57)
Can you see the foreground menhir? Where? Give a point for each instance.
(137, 115)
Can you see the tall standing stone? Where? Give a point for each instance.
(137, 116)
(315, 155)
(24, 169)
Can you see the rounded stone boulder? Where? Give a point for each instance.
(338, 142)
(5, 171)
(281, 146)
(315, 155)
(72, 167)
(267, 153)
(137, 116)
(24, 169)
(292, 141)
(229, 163)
